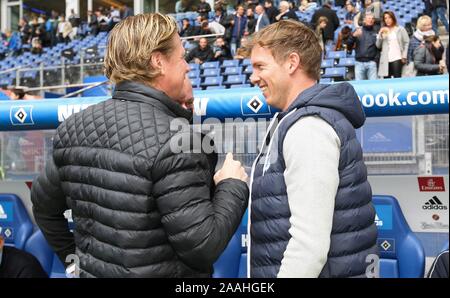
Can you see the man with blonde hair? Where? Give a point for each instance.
(311, 212)
(140, 207)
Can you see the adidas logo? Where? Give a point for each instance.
(378, 221)
(379, 137)
(434, 204)
(3, 214)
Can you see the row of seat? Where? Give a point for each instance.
(402, 254)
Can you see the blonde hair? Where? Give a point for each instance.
(289, 36)
(132, 43)
(422, 20)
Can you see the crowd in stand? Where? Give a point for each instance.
(383, 48)
(35, 32)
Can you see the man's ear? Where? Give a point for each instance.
(293, 62)
(157, 61)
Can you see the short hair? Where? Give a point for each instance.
(133, 41)
(392, 15)
(290, 36)
(422, 20)
(431, 38)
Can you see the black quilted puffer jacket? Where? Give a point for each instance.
(140, 209)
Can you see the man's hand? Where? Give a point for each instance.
(358, 32)
(231, 169)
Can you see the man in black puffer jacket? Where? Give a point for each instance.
(143, 203)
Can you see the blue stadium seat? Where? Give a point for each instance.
(325, 81)
(402, 254)
(215, 87)
(248, 69)
(336, 55)
(232, 71)
(195, 73)
(346, 62)
(235, 80)
(15, 223)
(211, 72)
(326, 63)
(210, 64)
(241, 86)
(233, 261)
(195, 82)
(246, 62)
(212, 81)
(335, 72)
(194, 66)
(38, 246)
(230, 63)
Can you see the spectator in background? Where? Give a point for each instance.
(393, 41)
(93, 22)
(428, 57)
(352, 12)
(438, 9)
(187, 29)
(216, 27)
(423, 29)
(74, 20)
(204, 8)
(13, 42)
(102, 21)
(202, 53)
(25, 31)
(251, 4)
(15, 263)
(221, 50)
(262, 20)
(307, 5)
(64, 30)
(366, 52)
(372, 7)
(271, 10)
(333, 20)
(126, 12)
(219, 15)
(342, 40)
(114, 16)
(238, 23)
(322, 23)
(285, 12)
(251, 22)
(204, 28)
(243, 52)
(447, 57)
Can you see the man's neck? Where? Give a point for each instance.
(297, 89)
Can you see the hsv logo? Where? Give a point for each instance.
(431, 183)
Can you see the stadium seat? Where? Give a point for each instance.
(325, 81)
(15, 223)
(210, 64)
(233, 261)
(212, 81)
(402, 254)
(335, 72)
(248, 69)
(343, 62)
(241, 86)
(327, 63)
(336, 55)
(230, 63)
(246, 62)
(235, 80)
(195, 82)
(38, 246)
(211, 72)
(195, 73)
(232, 71)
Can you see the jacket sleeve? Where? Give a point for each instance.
(420, 61)
(405, 42)
(198, 219)
(49, 205)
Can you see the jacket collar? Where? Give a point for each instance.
(135, 91)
